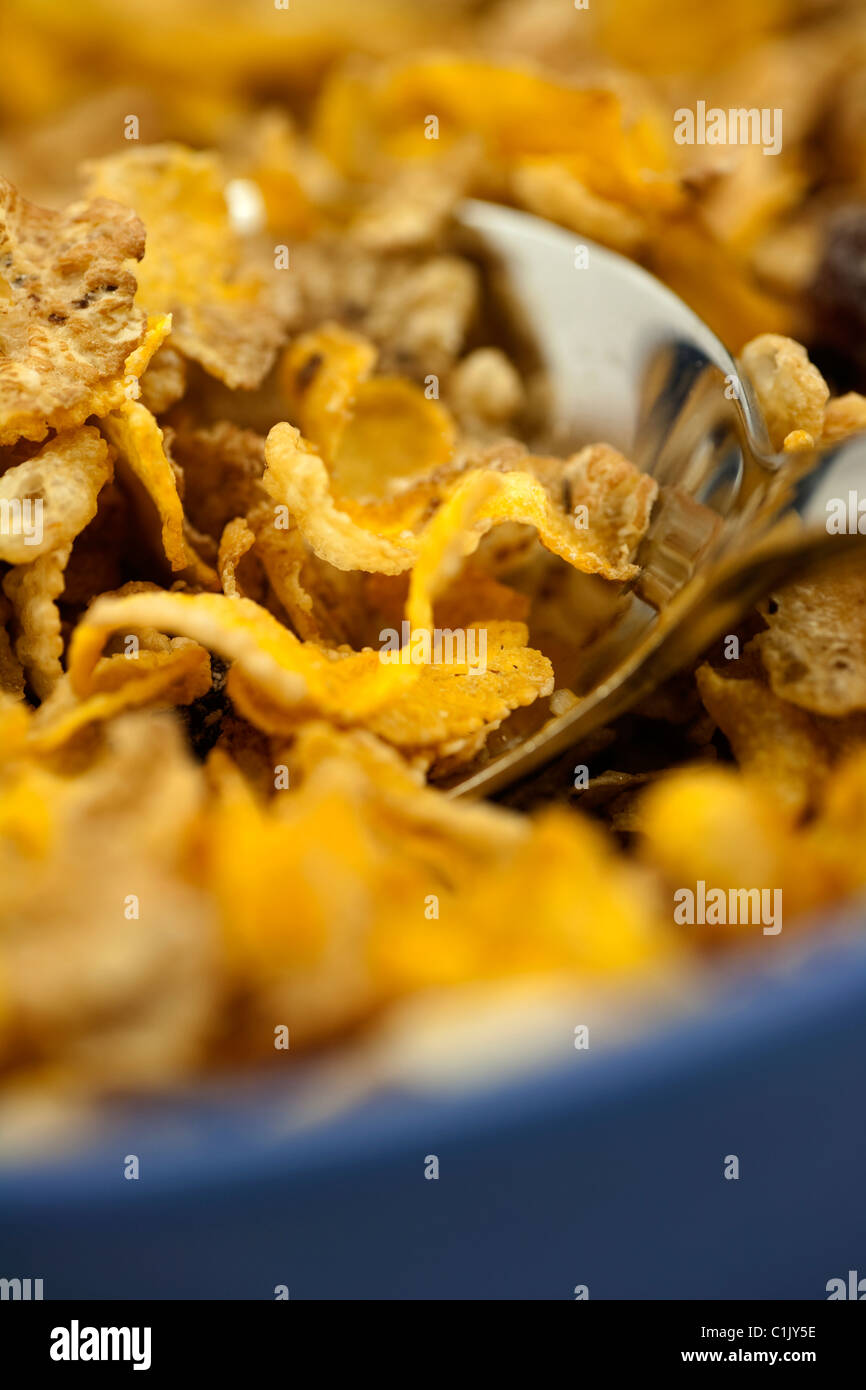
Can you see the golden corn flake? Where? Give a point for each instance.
(372, 433)
(27, 823)
(772, 740)
(323, 604)
(152, 679)
(472, 595)
(67, 318)
(467, 680)
(138, 440)
(616, 498)
(313, 964)
(796, 441)
(350, 536)
(298, 480)
(52, 500)
(276, 679)
(410, 211)
(791, 391)
(394, 435)
(46, 501)
(447, 835)
(517, 114)
(34, 590)
(222, 467)
(143, 1016)
(456, 699)
(441, 550)
(838, 830)
(589, 917)
(237, 541)
(321, 373)
(521, 498)
(815, 646)
(164, 382)
(844, 415)
(267, 658)
(284, 558)
(330, 606)
(350, 944)
(475, 595)
(195, 267)
(711, 824)
(550, 189)
(677, 37)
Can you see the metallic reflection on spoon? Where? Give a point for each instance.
(631, 365)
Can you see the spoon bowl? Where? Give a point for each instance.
(628, 363)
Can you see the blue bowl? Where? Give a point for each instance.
(607, 1172)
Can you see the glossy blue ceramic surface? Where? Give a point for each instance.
(607, 1171)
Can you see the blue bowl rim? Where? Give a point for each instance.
(229, 1136)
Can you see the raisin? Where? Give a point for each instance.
(838, 295)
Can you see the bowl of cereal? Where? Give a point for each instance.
(292, 544)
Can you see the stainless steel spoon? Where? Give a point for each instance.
(631, 365)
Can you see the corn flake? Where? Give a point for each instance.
(372, 433)
(236, 542)
(269, 662)
(772, 740)
(195, 267)
(154, 679)
(138, 441)
(815, 647)
(67, 318)
(34, 590)
(791, 391)
(350, 536)
(451, 702)
(52, 496)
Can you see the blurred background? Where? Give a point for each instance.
(326, 91)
